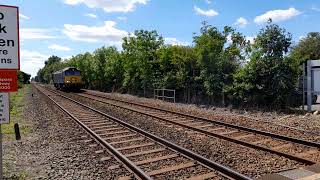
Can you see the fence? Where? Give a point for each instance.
(165, 94)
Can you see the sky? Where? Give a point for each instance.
(68, 27)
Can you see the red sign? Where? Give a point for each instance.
(8, 81)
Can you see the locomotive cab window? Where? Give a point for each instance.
(72, 72)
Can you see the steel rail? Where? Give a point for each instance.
(135, 169)
(282, 125)
(244, 143)
(265, 133)
(216, 166)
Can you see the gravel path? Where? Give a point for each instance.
(54, 149)
(248, 161)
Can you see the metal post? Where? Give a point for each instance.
(17, 131)
(309, 86)
(303, 85)
(162, 94)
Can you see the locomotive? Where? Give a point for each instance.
(68, 78)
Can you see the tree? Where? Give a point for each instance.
(23, 78)
(177, 69)
(139, 52)
(114, 72)
(99, 64)
(218, 58)
(307, 48)
(53, 64)
(268, 78)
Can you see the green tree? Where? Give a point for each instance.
(307, 48)
(139, 52)
(114, 72)
(269, 78)
(218, 58)
(23, 78)
(177, 69)
(101, 56)
(53, 64)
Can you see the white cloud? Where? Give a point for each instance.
(209, 12)
(241, 22)
(175, 41)
(90, 15)
(59, 47)
(250, 38)
(208, 1)
(301, 37)
(64, 58)
(229, 39)
(35, 33)
(277, 15)
(315, 8)
(122, 18)
(32, 61)
(106, 33)
(21, 16)
(109, 5)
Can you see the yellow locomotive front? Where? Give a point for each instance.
(72, 78)
(68, 79)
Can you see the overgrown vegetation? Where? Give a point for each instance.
(16, 111)
(221, 67)
(23, 78)
(17, 103)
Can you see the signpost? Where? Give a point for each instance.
(9, 38)
(9, 62)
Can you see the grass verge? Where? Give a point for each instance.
(17, 105)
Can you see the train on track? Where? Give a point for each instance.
(68, 79)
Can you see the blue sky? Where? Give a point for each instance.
(69, 27)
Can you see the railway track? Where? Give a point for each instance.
(145, 155)
(284, 126)
(306, 152)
